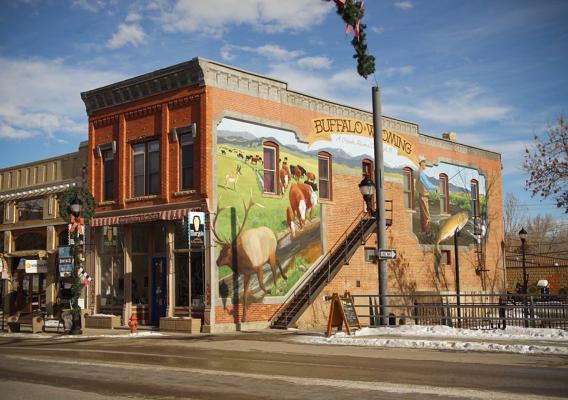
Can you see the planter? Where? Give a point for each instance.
(102, 321)
(185, 325)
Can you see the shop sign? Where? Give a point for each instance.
(65, 261)
(110, 235)
(36, 266)
(136, 219)
(196, 228)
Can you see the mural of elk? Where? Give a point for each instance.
(248, 252)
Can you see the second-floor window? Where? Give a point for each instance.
(444, 196)
(186, 142)
(108, 175)
(474, 198)
(408, 182)
(270, 160)
(146, 168)
(324, 172)
(30, 209)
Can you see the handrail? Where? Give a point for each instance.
(324, 260)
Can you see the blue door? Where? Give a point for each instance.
(159, 288)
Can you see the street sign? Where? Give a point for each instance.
(387, 254)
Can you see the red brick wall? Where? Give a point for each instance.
(416, 260)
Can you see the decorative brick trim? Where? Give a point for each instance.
(143, 112)
(99, 123)
(177, 103)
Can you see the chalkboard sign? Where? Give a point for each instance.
(342, 311)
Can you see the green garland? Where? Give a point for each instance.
(84, 195)
(351, 12)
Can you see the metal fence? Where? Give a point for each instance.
(471, 311)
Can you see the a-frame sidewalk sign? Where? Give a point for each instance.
(342, 311)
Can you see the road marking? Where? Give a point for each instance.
(387, 387)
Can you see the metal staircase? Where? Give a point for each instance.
(354, 236)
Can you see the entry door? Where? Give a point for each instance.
(159, 289)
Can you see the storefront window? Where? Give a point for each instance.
(160, 237)
(112, 268)
(140, 238)
(182, 279)
(140, 279)
(30, 209)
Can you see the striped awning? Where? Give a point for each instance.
(37, 192)
(140, 218)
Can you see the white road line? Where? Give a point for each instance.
(332, 383)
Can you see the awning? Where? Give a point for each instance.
(140, 218)
(39, 192)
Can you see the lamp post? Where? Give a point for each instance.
(523, 235)
(76, 242)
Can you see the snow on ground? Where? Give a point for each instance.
(27, 335)
(510, 340)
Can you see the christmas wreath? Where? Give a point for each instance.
(86, 198)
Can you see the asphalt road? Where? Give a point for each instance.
(264, 366)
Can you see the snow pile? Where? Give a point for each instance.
(509, 340)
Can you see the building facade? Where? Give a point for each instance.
(31, 229)
(276, 174)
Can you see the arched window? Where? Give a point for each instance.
(367, 168)
(270, 160)
(444, 194)
(324, 172)
(408, 187)
(474, 198)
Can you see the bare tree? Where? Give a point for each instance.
(547, 165)
(513, 218)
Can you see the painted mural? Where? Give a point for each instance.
(267, 225)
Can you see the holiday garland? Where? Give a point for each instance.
(352, 11)
(84, 195)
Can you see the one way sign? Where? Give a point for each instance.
(387, 254)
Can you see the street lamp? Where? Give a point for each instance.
(75, 233)
(523, 235)
(367, 189)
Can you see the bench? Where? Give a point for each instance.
(35, 321)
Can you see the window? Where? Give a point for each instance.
(146, 168)
(270, 160)
(1, 213)
(444, 194)
(324, 172)
(408, 184)
(30, 209)
(367, 169)
(112, 270)
(108, 175)
(186, 143)
(31, 241)
(446, 257)
(474, 198)
(370, 255)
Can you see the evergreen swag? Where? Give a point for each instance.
(352, 11)
(84, 195)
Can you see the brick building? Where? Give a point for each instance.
(276, 173)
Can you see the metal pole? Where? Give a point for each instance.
(379, 182)
(457, 262)
(525, 285)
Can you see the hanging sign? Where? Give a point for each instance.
(196, 229)
(342, 312)
(65, 261)
(36, 266)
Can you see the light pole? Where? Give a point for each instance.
(76, 242)
(523, 235)
(367, 189)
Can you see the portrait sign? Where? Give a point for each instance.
(196, 228)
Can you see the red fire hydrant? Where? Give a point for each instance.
(133, 323)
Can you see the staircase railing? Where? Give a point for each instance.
(311, 283)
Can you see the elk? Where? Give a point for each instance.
(233, 178)
(311, 176)
(248, 252)
(303, 198)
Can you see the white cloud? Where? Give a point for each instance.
(455, 103)
(91, 5)
(378, 29)
(397, 71)
(42, 97)
(404, 5)
(133, 17)
(316, 62)
(127, 34)
(214, 17)
(270, 51)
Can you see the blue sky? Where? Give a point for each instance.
(492, 71)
